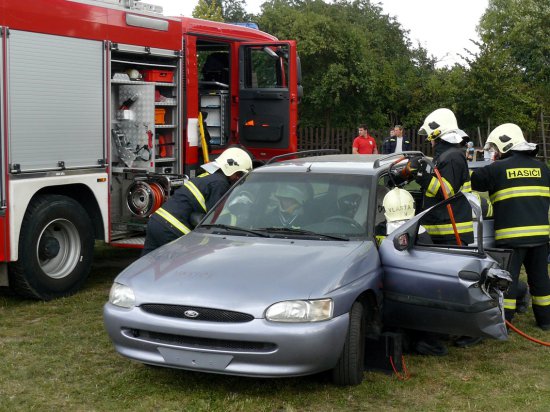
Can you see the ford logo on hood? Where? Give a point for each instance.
(191, 313)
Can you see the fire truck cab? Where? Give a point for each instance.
(106, 107)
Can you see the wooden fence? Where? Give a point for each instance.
(311, 138)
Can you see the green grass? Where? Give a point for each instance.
(56, 356)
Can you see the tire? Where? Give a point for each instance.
(56, 247)
(351, 364)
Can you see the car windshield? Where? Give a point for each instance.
(334, 206)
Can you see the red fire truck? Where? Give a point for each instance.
(106, 106)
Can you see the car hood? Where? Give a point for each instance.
(246, 273)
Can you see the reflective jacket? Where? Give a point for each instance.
(453, 168)
(197, 195)
(519, 190)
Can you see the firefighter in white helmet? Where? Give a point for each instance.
(197, 195)
(291, 200)
(399, 207)
(441, 130)
(519, 187)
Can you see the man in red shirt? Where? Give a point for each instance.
(364, 144)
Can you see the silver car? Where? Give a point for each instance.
(263, 289)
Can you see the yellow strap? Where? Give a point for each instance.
(172, 220)
(197, 193)
(203, 140)
(522, 231)
(541, 300)
(520, 191)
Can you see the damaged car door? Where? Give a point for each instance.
(455, 290)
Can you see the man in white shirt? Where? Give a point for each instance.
(396, 143)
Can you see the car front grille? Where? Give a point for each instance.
(204, 314)
(203, 343)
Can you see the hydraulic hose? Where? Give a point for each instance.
(449, 208)
(526, 336)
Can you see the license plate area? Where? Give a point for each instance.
(195, 360)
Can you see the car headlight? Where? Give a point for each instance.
(300, 311)
(122, 295)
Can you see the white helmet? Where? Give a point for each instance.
(506, 137)
(133, 74)
(398, 205)
(441, 123)
(231, 161)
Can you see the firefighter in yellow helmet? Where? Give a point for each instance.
(197, 195)
(441, 130)
(519, 188)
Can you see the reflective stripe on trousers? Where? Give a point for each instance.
(522, 231)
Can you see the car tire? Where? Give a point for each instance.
(351, 364)
(56, 247)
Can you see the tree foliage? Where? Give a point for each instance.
(235, 11)
(222, 10)
(520, 29)
(208, 10)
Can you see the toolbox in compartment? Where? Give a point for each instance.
(159, 115)
(165, 76)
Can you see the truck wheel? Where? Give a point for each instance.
(56, 246)
(350, 366)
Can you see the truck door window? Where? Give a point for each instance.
(267, 67)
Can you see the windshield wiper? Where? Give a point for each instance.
(296, 231)
(235, 229)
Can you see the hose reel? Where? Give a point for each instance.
(143, 198)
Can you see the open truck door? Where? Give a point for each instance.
(269, 92)
(443, 288)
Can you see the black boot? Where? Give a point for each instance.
(467, 341)
(430, 346)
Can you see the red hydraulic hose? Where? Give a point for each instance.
(449, 208)
(526, 336)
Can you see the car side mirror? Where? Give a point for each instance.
(402, 242)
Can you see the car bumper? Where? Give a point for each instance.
(256, 348)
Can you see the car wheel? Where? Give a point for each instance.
(351, 364)
(56, 246)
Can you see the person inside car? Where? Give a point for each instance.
(290, 210)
